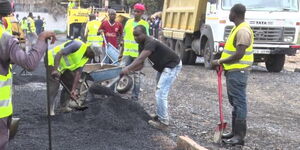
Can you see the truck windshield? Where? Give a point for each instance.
(264, 5)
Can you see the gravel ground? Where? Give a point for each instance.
(116, 123)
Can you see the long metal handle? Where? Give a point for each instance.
(48, 100)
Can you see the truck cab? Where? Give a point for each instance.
(201, 28)
(275, 24)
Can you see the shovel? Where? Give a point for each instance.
(222, 125)
(81, 108)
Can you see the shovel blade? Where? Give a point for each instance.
(219, 131)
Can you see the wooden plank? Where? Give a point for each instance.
(186, 143)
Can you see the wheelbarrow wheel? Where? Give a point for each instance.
(125, 84)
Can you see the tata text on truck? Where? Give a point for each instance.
(201, 27)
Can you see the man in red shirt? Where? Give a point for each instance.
(113, 30)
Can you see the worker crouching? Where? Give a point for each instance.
(65, 63)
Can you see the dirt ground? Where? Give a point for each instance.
(118, 124)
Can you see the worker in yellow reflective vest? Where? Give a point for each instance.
(24, 25)
(31, 35)
(11, 53)
(7, 24)
(91, 31)
(65, 63)
(236, 60)
(130, 50)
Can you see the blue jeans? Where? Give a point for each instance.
(164, 81)
(127, 60)
(236, 82)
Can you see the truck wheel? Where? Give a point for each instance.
(208, 56)
(275, 63)
(170, 43)
(125, 84)
(180, 51)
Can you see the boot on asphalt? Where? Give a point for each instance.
(239, 133)
(158, 124)
(230, 134)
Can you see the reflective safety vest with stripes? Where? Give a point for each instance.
(93, 27)
(229, 50)
(130, 46)
(32, 25)
(6, 107)
(70, 62)
(9, 25)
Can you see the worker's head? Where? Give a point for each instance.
(39, 17)
(30, 15)
(92, 51)
(140, 33)
(92, 17)
(112, 14)
(24, 18)
(237, 12)
(5, 8)
(138, 11)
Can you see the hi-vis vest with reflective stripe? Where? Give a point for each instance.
(130, 46)
(6, 107)
(229, 50)
(32, 25)
(70, 62)
(9, 25)
(93, 27)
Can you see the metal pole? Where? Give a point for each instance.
(48, 100)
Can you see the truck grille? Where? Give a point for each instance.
(267, 34)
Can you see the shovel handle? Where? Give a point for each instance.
(219, 73)
(68, 91)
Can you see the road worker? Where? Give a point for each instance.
(237, 59)
(65, 63)
(91, 31)
(11, 53)
(31, 35)
(165, 62)
(130, 50)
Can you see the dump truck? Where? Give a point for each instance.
(201, 27)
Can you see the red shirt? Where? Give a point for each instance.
(112, 31)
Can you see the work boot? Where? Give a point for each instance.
(239, 133)
(158, 124)
(230, 134)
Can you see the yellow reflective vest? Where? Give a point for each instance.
(229, 50)
(31, 25)
(6, 107)
(70, 62)
(130, 46)
(92, 37)
(24, 25)
(9, 25)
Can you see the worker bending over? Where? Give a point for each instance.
(165, 62)
(65, 63)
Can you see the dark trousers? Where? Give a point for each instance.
(4, 133)
(67, 78)
(236, 82)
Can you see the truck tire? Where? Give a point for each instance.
(180, 51)
(170, 43)
(208, 55)
(275, 63)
